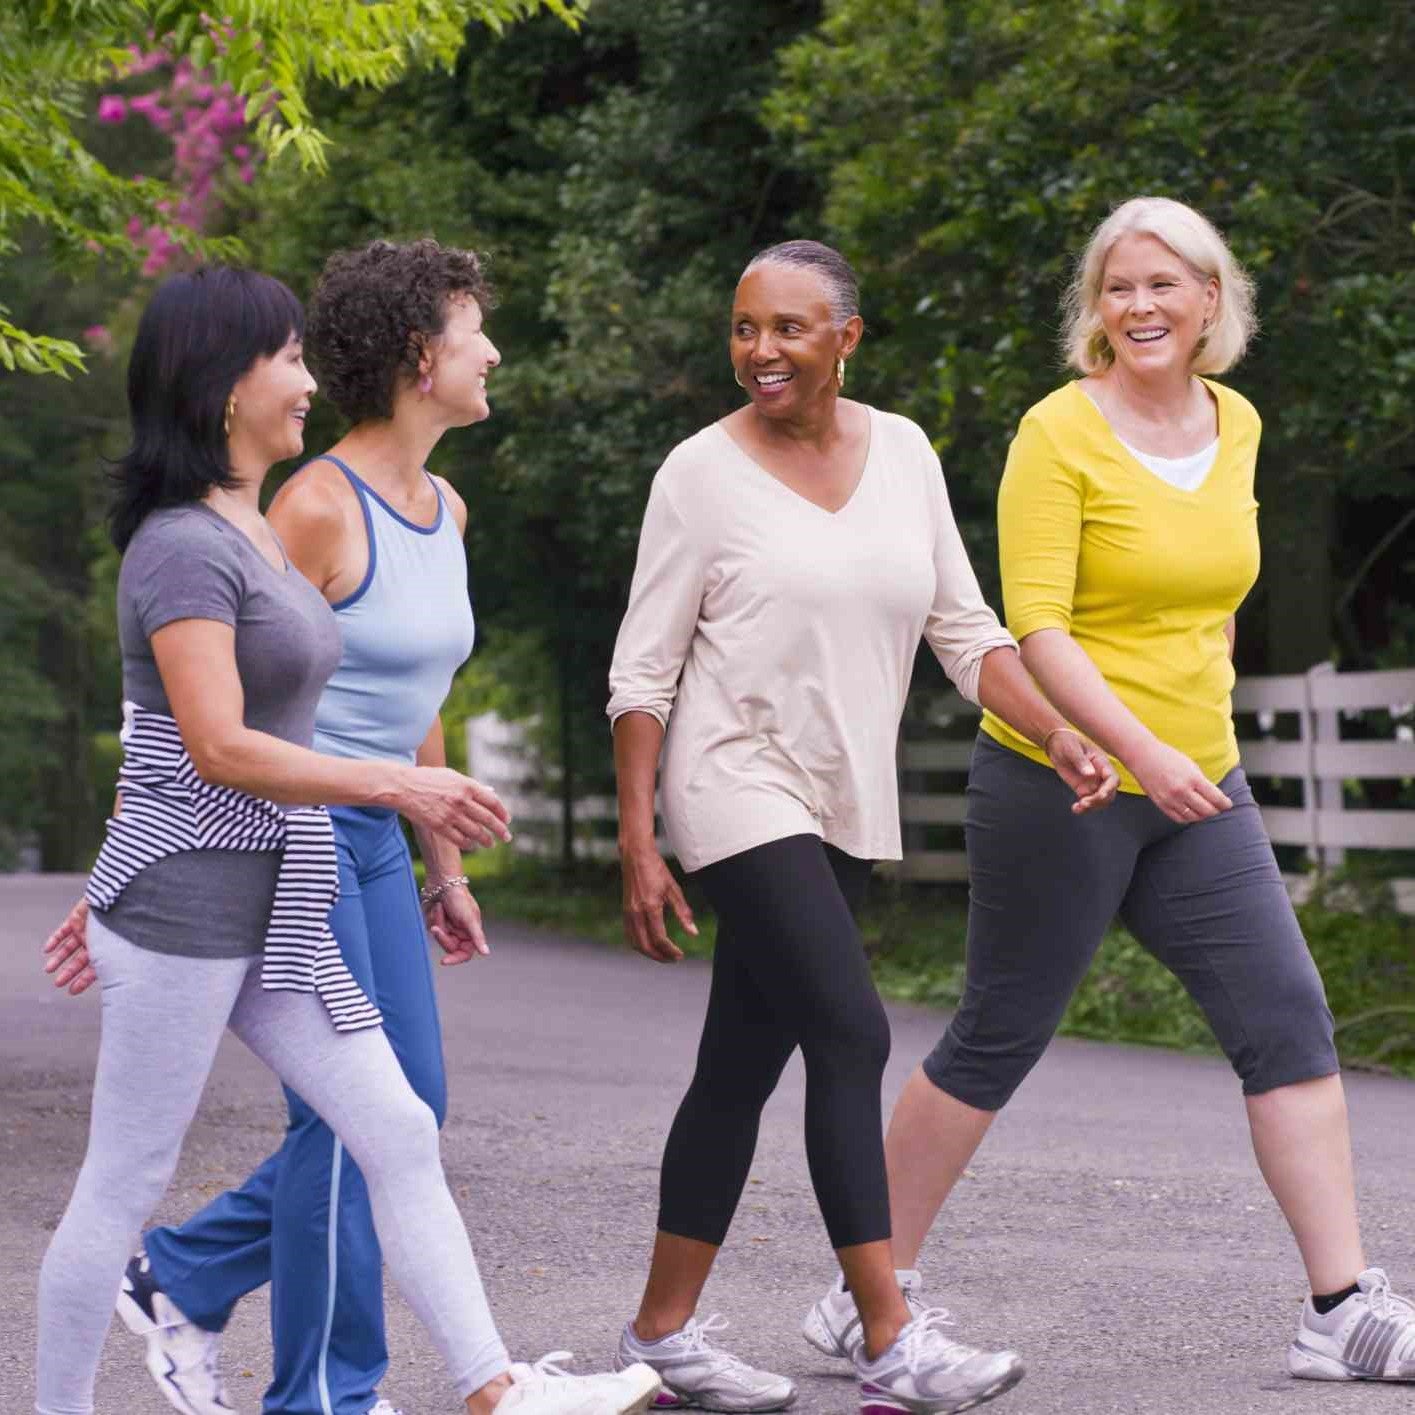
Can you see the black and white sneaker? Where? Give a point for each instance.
(182, 1358)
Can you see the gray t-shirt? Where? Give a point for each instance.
(189, 562)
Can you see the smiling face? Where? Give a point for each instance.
(458, 361)
(784, 343)
(272, 399)
(1153, 307)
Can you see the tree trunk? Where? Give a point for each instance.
(565, 676)
(67, 814)
(1297, 519)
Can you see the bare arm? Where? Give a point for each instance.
(649, 885)
(1069, 678)
(197, 661)
(454, 920)
(1006, 689)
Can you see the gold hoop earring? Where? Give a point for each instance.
(737, 378)
(230, 409)
(840, 372)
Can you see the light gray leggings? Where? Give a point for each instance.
(163, 1018)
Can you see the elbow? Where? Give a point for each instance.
(217, 760)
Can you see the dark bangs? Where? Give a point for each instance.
(199, 333)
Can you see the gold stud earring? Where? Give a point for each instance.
(230, 410)
(840, 371)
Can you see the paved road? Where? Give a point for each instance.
(1113, 1229)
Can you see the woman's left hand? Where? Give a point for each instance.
(66, 952)
(1084, 768)
(455, 922)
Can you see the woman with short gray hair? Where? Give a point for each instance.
(1128, 533)
(792, 556)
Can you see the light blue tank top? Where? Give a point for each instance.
(406, 630)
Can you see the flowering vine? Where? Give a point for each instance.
(207, 125)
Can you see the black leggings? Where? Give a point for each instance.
(789, 971)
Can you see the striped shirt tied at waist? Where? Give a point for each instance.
(167, 807)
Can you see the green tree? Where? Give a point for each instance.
(269, 51)
(970, 146)
(619, 180)
(66, 196)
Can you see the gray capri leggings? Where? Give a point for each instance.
(1206, 899)
(163, 1018)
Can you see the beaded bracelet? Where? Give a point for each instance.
(429, 894)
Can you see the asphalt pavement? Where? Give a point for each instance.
(1113, 1229)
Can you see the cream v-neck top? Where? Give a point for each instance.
(775, 641)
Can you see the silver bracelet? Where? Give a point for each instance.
(429, 894)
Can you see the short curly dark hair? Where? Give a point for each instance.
(372, 312)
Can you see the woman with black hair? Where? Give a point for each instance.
(210, 896)
(381, 539)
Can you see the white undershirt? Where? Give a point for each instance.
(1187, 473)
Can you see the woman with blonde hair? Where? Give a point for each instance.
(1128, 537)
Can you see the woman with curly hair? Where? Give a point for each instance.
(396, 334)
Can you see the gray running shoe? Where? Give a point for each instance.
(1370, 1337)
(928, 1373)
(833, 1325)
(696, 1372)
(183, 1359)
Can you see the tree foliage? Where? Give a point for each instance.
(970, 146)
(270, 53)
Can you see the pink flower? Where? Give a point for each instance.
(112, 109)
(247, 173)
(150, 106)
(99, 336)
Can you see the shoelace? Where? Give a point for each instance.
(547, 1366)
(924, 1336)
(1386, 1303)
(694, 1337)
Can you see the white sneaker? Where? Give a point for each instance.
(696, 1372)
(833, 1325)
(928, 1373)
(182, 1358)
(1370, 1337)
(546, 1389)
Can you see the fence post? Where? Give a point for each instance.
(1326, 791)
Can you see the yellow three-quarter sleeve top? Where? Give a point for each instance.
(1143, 575)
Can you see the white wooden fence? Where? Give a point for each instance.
(1317, 757)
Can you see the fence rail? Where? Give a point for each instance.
(1322, 825)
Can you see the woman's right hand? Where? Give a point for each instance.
(1176, 785)
(446, 803)
(66, 952)
(649, 888)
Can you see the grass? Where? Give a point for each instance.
(916, 937)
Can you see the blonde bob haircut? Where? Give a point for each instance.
(1198, 244)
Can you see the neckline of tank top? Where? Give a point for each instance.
(363, 487)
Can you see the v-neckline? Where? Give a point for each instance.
(799, 496)
(1125, 454)
(250, 540)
